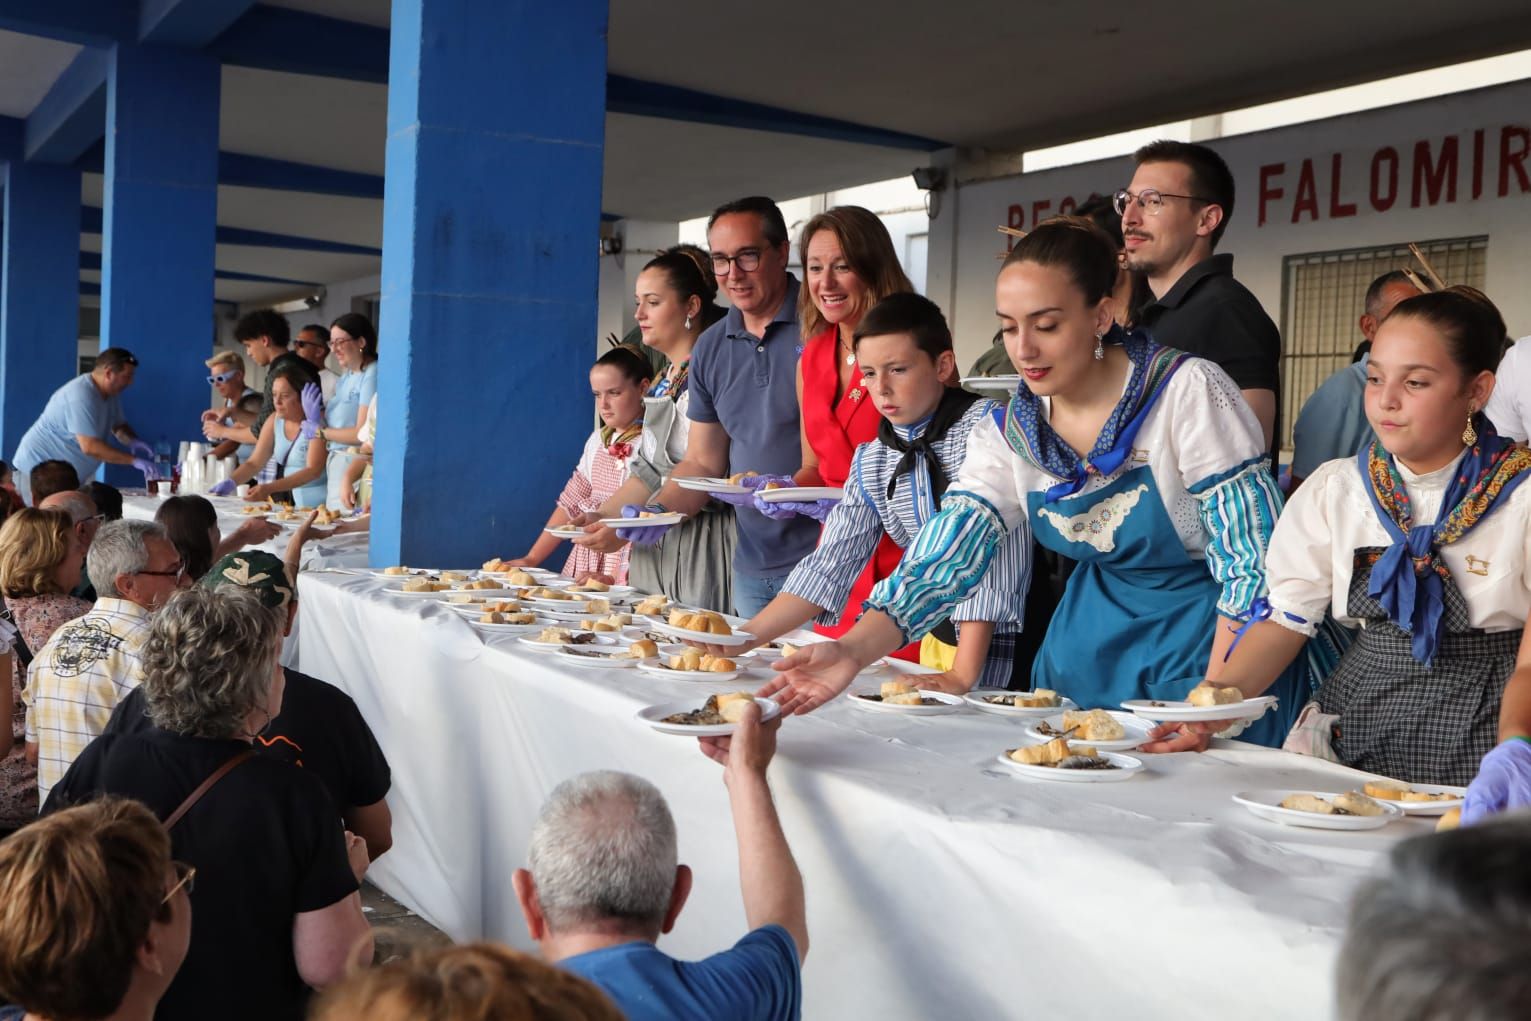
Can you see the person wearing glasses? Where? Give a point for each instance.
(743, 410)
(226, 375)
(97, 915)
(88, 665)
(265, 336)
(277, 876)
(40, 560)
(354, 342)
(87, 520)
(1173, 215)
(79, 420)
(313, 346)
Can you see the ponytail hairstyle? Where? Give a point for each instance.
(1469, 324)
(1076, 246)
(359, 326)
(689, 274)
(632, 365)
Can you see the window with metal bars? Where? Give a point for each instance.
(1324, 295)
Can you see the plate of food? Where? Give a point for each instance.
(600, 588)
(513, 622)
(555, 637)
(692, 665)
(652, 606)
(902, 697)
(1038, 704)
(600, 657)
(1068, 761)
(716, 717)
(1320, 810)
(799, 494)
(397, 571)
(646, 519)
(565, 531)
(1006, 384)
(701, 626)
(1204, 702)
(1101, 729)
(718, 485)
(1416, 798)
(474, 607)
(423, 587)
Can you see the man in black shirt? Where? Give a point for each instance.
(1173, 215)
(265, 336)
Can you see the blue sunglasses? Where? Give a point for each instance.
(222, 377)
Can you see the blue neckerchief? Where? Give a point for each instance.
(1033, 439)
(1408, 579)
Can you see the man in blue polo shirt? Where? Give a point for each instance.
(744, 411)
(79, 419)
(604, 884)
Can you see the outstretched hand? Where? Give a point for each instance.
(811, 677)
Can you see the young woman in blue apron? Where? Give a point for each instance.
(1142, 463)
(1422, 542)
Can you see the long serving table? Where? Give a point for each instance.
(939, 886)
(335, 552)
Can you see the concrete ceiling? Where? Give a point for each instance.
(981, 73)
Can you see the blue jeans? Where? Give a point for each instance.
(752, 592)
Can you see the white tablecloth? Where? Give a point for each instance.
(339, 551)
(938, 885)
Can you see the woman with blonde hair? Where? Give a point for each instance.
(849, 265)
(40, 559)
(475, 982)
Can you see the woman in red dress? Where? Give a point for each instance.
(849, 265)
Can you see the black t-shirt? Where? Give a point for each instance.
(268, 406)
(319, 729)
(1213, 316)
(266, 845)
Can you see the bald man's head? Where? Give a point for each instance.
(81, 510)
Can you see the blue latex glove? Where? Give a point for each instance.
(313, 410)
(818, 510)
(752, 483)
(149, 468)
(141, 449)
(223, 488)
(642, 536)
(1503, 782)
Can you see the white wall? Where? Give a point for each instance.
(1299, 162)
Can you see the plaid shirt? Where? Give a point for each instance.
(77, 679)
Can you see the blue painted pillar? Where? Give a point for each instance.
(39, 291)
(159, 225)
(491, 214)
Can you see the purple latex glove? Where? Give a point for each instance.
(149, 468)
(818, 510)
(752, 483)
(642, 536)
(141, 449)
(223, 488)
(1503, 782)
(313, 410)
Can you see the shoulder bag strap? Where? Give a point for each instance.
(18, 643)
(207, 785)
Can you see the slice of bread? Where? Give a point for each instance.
(1205, 694)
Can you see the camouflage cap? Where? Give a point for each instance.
(257, 570)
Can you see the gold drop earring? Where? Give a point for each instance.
(1469, 435)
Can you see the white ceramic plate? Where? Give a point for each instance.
(703, 637)
(1127, 768)
(606, 657)
(1267, 805)
(577, 603)
(511, 629)
(565, 531)
(1161, 711)
(613, 591)
(555, 646)
(801, 494)
(443, 594)
(1137, 732)
(654, 716)
(658, 669)
(975, 698)
(1005, 383)
(710, 485)
(654, 521)
(949, 704)
(411, 572)
(1430, 807)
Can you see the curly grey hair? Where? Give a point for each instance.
(209, 660)
(120, 547)
(603, 850)
(1444, 931)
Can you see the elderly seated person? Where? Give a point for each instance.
(96, 917)
(319, 727)
(604, 883)
(86, 519)
(468, 983)
(1444, 933)
(89, 664)
(108, 499)
(40, 558)
(277, 902)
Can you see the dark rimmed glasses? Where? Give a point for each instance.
(1150, 200)
(747, 261)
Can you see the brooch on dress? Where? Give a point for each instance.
(855, 394)
(1477, 566)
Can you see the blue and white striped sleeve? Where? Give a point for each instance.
(850, 537)
(943, 566)
(1001, 594)
(1238, 510)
